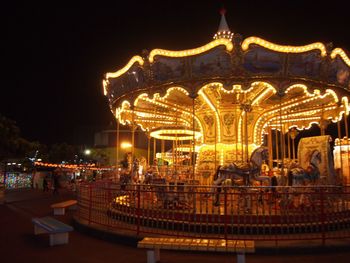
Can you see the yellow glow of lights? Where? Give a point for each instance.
(104, 85)
(269, 89)
(281, 48)
(188, 148)
(345, 100)
(126, 68)
(161, 101)
(316, 95)
(202, 94)
(342, 54)
(191, 52)
(175, 134)
(125, 145)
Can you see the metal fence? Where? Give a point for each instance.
(186, 210)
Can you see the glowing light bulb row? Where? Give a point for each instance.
(190, 52)
(177, 107)
(340, 52)
(281, 48)
(126, 68)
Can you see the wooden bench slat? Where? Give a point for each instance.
(64, 204)
(52, 225)
(154, 244)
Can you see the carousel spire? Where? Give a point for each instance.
(223, 30)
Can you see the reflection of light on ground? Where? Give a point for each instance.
(122, 200)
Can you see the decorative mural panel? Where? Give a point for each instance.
(165, 69)
(305, 64)
(261, 60)
(339, 73)
(214, 63)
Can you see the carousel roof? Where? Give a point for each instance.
(295, 85)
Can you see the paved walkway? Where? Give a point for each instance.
(19, 244)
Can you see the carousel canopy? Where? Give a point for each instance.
(211, 88)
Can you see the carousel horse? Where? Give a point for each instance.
(298, 175)
(245, 173)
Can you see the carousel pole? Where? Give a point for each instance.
(118, 142)
(215, 142)
(242, 146)
(340, 150)
(269, 144)
(132, 140)
(281, 137)
(347, 142)
(276, 147)
(148, 148)
(154, 149)
(246, 136)
(193, 97)
(288, 137)
(236, 132)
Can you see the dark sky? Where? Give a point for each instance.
(54, 55)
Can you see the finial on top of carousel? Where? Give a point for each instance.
(224, 30)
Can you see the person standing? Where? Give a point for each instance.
(55, 183)
(45, 185)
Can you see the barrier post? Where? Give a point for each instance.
(90, 202)
(322, 217)
(138, 209)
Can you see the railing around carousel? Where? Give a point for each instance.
(183, 209)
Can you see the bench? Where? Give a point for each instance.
(154, 244)
(60, 208)
(58, 231)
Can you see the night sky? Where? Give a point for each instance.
(54, 55)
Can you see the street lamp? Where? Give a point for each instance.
(87, 152)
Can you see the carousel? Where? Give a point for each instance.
(218, 103)
(227, 116)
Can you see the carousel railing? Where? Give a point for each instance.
(184, 209)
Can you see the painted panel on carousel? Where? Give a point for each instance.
(339, 73)
(166, 69)
(260, 60)
(209, 124)
(305, 64)
(229, 124)
(215, 63)
(131, 80)
(315, 151)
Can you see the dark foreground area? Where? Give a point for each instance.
(19, 244)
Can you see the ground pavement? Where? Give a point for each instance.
(19, 244)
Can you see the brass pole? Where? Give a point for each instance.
(236, 133)
(154, 149)
(277, 148)
(281, 138)
(118, 143)
(242, 146)
(269, 143)
(194, 139)
(288, 137)
(340, 150)
(133, 141)
(149, 149)
(215, 142)
(347, 143)
(246, 136)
